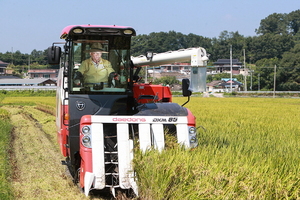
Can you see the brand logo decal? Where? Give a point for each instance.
(80, 105)
(129, 119)
(170, 119)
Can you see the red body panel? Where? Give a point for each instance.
(62, 134)
(162, 92)
(191, 119)
(85, 153)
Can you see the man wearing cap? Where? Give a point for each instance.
(95, 69)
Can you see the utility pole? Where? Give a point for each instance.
(258, 82)
(231, 68)
(245, 74)
(12, 55)
(274, 81)
(28, 65)
(251, 78)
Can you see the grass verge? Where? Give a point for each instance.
(5, 168)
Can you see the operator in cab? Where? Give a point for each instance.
(95, 69)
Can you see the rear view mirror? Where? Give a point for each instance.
(185, 87)
(54, 53)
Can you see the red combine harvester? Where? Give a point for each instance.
(99, 119)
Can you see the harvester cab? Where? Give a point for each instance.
(102, 111)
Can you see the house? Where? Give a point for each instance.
(43, 73)
(183, 68)
(223, 66)
(3, 66)
(235, 85)
(224, 85)
(214, 86)
(179, 70)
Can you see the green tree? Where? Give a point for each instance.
(270, 46)
(6, 57)
(19, 58)
(221, 45)
(275, 23)
(294, 21)
(39, 56)
(193, 40)
(166, 41)
(265, 69)
(141, 44)
(289, 70)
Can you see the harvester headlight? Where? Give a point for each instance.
(85, 130)
(128, 32)
(192, 130)
(86, 141)
(193, 141)
(193, 137)
(77, 30)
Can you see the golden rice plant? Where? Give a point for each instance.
(51, 101)
(45, 104)
(248, 149)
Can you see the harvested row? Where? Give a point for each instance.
(37, 172)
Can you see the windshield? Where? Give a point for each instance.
(99, 66)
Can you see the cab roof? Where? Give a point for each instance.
(66, 31)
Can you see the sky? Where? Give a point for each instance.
(35, 24)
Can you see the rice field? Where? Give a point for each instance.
(249, 148)
(29, 101)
